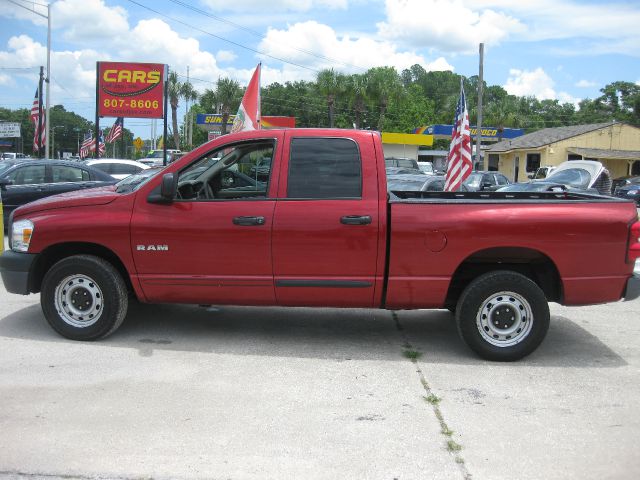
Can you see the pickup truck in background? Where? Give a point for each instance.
(320, 231)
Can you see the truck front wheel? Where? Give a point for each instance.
(502, 315)
(84, 297)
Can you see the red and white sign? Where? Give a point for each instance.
(131, 89)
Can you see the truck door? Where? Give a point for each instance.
(212, 244)
(326, 224)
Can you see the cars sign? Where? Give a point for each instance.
(131, 89)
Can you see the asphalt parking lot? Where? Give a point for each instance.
(250, 393)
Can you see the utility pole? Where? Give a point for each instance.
(39, 135)
(187, 131)
(485, 163)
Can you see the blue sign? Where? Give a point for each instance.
(488, 133)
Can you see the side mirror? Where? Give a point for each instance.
(167, 191)
(486, 185)
(530, 176)
(4, 182)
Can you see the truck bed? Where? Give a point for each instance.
(560, 238)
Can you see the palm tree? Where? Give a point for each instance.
(228, 94)
(504, 113)
(385, 85)
(174, 91)
(330, 84)
(190, 95)
(358, 90)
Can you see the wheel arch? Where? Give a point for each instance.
(527, 261)
(54, 253)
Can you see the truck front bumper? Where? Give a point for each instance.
(15, 269)
(633, 288)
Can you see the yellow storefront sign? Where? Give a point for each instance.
(407, 139)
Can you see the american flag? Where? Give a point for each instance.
(40, 130)
(459, 164)
(116, 131)
(89, 145)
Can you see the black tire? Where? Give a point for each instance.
(84, 298)
(502, 315)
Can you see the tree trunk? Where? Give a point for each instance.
(174, 123)
(330, 103)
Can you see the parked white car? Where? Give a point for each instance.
(116, 167)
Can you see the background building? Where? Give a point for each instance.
(616, 145)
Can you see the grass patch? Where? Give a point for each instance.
(459, 459)
(452, 446)
(446, 431)
(433, 399)
(412, 354)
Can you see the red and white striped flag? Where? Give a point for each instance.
(459, 163)
(39, 122)
(116, 131)
(248, 116)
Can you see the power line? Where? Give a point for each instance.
(260, 35)
(222, 38)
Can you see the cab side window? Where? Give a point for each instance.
(63, 173)
(233, 172)
(28, 175)
(324, 168)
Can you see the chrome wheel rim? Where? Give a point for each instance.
(504, 319)
(79, 301)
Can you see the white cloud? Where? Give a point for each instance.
(10, 10)
(535, 83)
(586, 84)
(343, 53)
(273, 5)
(599, 28)
(89, 21)
(226, 56)
(449, 26)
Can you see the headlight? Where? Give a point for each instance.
(632, 192)
(21, 232)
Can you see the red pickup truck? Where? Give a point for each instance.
(319, 229)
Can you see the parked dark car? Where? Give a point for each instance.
(631, 191)
(485, 181)
(544, 187)
(418, 183)
(23, 181)
(401, 162)
(391, 171)
(623, 182)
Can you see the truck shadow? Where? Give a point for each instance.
(340, 334)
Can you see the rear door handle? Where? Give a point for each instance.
(248, 221)
(355, 220)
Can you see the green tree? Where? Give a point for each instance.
(331, 84)
(228, 95)
(385, 86)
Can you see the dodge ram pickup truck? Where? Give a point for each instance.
(319, 229)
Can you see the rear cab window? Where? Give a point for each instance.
(324, 168)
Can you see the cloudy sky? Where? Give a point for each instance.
(558, 49)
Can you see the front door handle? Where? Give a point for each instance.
(355, 220)
(248, 221)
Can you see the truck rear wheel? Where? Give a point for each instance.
(84, 297)
(502, 315)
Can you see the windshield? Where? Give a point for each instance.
(425, 167)
(540, 174)
(575, 177)
(135, 181)
(474, 180)
(5, 166)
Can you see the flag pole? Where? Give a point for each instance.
(97, 133)
(484, 164)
